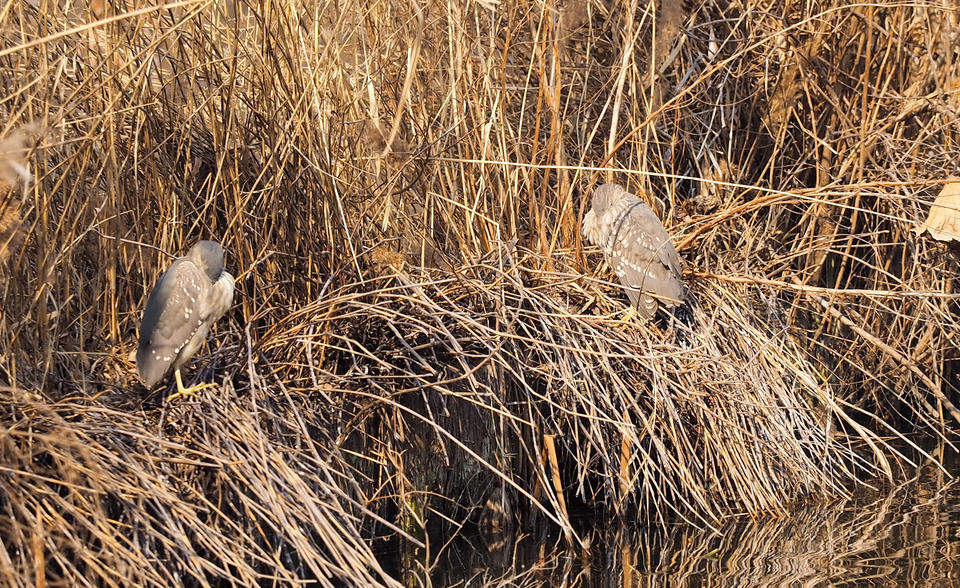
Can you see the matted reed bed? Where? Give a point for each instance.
(418, 323)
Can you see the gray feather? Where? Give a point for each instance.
(170, 318)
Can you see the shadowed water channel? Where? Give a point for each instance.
(907, 534)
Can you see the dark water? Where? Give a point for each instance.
(907, 534)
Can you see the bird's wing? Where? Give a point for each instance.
(170, 318)
(660, 238)
(646, 258)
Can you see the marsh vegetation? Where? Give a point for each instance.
(418, 323)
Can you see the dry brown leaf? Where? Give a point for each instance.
(375, 140)
(98, 8)
(10, 233)
(573, 15)
(13, 169)
(943, 222)
(670, 21)
(383, 257)
(712, 189)
(783, 99)
(13, 156)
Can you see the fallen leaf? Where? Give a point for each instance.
(943, 222)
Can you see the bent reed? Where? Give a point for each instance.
(417, 319)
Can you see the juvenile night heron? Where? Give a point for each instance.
(636, 247)
(190, 296)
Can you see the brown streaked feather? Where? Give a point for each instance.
(638, 249)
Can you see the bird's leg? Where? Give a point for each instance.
(629, 315)
(188, 392)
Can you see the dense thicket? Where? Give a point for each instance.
(399, 187)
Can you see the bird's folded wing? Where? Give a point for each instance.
(670, 258)
(648, 259)
(659, 239)
(172, 315)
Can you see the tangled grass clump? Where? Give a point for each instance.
(418, 322)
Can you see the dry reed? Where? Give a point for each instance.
(399, 191)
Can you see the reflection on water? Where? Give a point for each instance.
(907, 534)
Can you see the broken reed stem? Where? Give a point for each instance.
(626, 446)
(39, 561)
(568, 533)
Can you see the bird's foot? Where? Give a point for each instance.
(190, 392)
(629, 315)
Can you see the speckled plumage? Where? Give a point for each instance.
(637, 248)
(190, 296)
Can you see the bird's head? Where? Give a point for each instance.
(208, 255)
(604, 196)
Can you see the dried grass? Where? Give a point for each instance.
(399, 192)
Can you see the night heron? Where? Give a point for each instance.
(191, 295)
(636, 247)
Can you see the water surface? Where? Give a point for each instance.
(905, 534)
